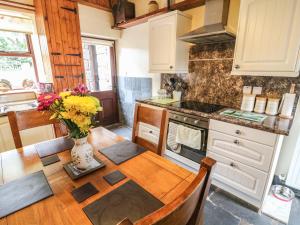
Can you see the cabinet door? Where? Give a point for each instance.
(268, 38)
(238, 176)
(162, 44)
(6, 138)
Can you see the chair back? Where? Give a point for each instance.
(188, 208)
(23, 120)
(155, 117)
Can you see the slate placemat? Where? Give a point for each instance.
(23, 192)
(122, 151)
(48, 160)
(114, 177)
(129, 200)
(84, 192)
(54, 146)
(75, 173)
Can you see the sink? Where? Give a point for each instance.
(22, 106)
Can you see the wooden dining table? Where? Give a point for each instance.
(159, 176)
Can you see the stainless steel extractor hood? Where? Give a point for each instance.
(215, 21)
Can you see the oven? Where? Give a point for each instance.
(184, 155)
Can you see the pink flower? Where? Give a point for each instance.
(81, 89)
(46, 100)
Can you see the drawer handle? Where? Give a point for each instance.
(233, 165)
(236, 142)
(150, 131)
(238, 132)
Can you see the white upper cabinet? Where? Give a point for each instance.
(268, 38)
(167, 53)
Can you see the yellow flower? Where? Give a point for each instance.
(82, 104)
(64, 94)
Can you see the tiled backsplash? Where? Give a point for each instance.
(130, 89)
(209, 78)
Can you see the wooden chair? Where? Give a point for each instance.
(23, 120)
(151, 116)
(188, 208)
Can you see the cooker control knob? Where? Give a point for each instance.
(196, 121)
(185, 119)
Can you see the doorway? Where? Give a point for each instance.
(100, 74)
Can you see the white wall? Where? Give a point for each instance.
(289, 145)
(97, 23)
(133, 54)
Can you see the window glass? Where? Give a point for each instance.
(13, 42)
(17, 64)
(98, 65)
(18, 71)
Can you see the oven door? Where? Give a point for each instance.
(184, 154)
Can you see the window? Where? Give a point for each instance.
(98, 64)
(17, 63)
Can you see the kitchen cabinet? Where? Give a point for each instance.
(167, 54)
(267, 42)
(246, 159)
(6, 138)
(29, 136)
(60, 39)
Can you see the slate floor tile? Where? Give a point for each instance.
(215, 215)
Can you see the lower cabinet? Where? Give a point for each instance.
(246, 160)
(29, 136)
(245, 179)
(6, 138)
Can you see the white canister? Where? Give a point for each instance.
(288, 105)
(260, 104)
(272, 106)
(177, 95)
(248, 102)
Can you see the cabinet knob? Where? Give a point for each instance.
(238, 132)
(236, 142)
(237, 66)
(171, 67)
(233, 165)
(150, 131)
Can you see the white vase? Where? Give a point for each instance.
(82, 154)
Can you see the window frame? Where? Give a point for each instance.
(28, 54)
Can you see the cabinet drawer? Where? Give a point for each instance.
(251, 134)
(240, 177)
(148, 132)
(244, 151)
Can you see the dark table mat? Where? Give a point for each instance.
(23, 192)
(114, 177)
(54, 146)
(84, 192)
(122, 151)
(48, 160)
(80, 173)
(129, 200)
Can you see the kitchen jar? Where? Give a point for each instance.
(248, 102)
(272, 106)
(260, 104)
(152, 6)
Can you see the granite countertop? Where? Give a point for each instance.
(273, 124)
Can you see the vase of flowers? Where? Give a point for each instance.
(76, 109)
